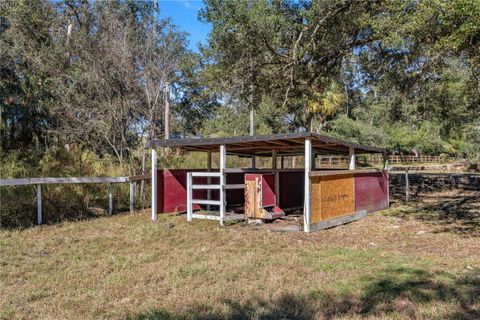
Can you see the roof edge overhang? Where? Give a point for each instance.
(262, 145)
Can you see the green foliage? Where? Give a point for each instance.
(400, 74)
(356, 131)
(62, 201)
(227, 121)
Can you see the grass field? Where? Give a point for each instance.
(420, 260)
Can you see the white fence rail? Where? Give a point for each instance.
(110, 180)
(221, 203)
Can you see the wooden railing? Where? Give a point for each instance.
(376, 159)
(110, 180)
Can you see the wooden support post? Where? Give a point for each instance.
(189, 197)
(209, 179)
(223, 166)
(306, 202)
(385, 168)
(132, 196)
(274, 159)
(282, 162)
(110, 199)
(277, 187)
(351, 154)
(407, 186)
(254, 162)
(39, 204)
(154, 184)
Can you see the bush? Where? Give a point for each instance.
(356, 131)
(60, 201)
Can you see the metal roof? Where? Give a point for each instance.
(263, 145)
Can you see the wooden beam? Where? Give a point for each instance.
(189, 197)
(132, 196)
(223, 166)
(209, 179)
(39, 204)
(154, 184)
(274, 159)
(29, 181)
(338, 220)
(110, 199)
(306, 202)
(407, 186)
(351, 154)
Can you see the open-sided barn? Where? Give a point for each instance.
(328, 197)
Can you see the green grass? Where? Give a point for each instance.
(125, 266)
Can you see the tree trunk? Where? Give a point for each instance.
(166, 92)
(309, 122)
(252, 125)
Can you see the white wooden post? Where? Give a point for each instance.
(39, 204)
(154, 184)
(223, 165)
(110, 199)
(277, 177)
(351, 153)
(385, 162)
(209, 179)
(189, 197)
(306, 202)
(132, 196)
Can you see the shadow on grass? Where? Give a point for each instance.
(458, 214)
(413, 293)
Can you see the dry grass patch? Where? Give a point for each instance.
(389, 265)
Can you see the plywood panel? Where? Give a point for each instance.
(315, 194)
(331, 196)
(252, 198)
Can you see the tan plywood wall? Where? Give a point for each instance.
(331, 196)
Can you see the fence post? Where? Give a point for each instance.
(407, 184)
(110, 199)
(39, 204)
(132, 196)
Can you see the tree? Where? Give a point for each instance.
(294, 48)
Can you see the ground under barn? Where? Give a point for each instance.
(392, 264)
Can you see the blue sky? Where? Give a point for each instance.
(185, 14)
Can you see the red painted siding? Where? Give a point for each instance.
(268, 187)
(292, 189)
(172, 190)
(371, 191)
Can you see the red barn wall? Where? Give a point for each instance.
(371, 191)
